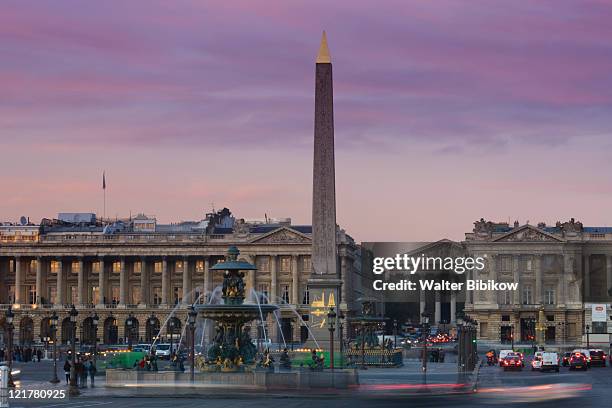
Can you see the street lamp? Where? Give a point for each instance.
(331, 320)
(587, 334)
(171, 325)
(9, 316)
(53, 320)
(73, 390)
(341, 318)
(425, 333)
(95, 321)
(192, 325)
(394, 333)
(130, 327)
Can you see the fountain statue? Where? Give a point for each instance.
(232, 348)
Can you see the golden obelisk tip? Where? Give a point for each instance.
(323, 57)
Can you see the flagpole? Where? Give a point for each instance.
(104, 190)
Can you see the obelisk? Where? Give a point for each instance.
(324, 251)
(324, 283)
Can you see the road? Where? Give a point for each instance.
(378, 389)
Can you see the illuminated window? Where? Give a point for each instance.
(306, 266)
(95, 295)
(55, 266)
(116, 267)
(75, 267)
(95, 267)
(263, 263)
(285, 264)
(178, 266)
(11, 294)
(157, 267)
(73, 296)
(199, 266)
(136, 296)
(137, 267)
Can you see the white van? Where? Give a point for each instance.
(550, 361)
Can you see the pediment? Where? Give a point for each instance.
(282, 235)
(528, 233)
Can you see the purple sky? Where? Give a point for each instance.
(446, 111)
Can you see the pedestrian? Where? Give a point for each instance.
(38, 354)
(91, 369)
(67, 371)
(83, 374)
(2, 354)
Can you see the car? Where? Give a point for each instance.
(512, 362)
(586, 354)
(578, 361)
(598, 357)
(536, 363)
(549, 361)
(162, 350)
(502, 355)
(566, 359)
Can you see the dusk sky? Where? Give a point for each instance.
(445, 111)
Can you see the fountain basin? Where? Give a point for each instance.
(241, 314)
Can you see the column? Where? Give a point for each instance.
(437, 309)
(59, 285)
(587, 278)
(538, 279)
(453, 307)
(421, 304)
(608, 275)
(493, 275)
(39, 280)
(295, 281)
(101, 284)
(186, 282)
(516, 275)
(81, 287)
(565, 275)
(273, 334)
(164, 281)
(144, 299)
(273, 278)
(122, 283)
(18, 280)
(344, 278)
(250, 281)
(207, 279)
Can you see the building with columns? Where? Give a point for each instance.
(146, 269)
(562, 271)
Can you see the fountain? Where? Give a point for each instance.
(232, 348)
(231, 364)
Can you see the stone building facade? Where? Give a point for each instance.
(141, 268)
(561, 270)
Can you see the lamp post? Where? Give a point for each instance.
(341, 318)
(587, 335)
(95, 320)
(73, 390)
(53, 321)
(512, 335)
(9, 316)
(171, 324)
(394, 333)
(331, 320)
(130, 328)
(424, 335)
(192, 325)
